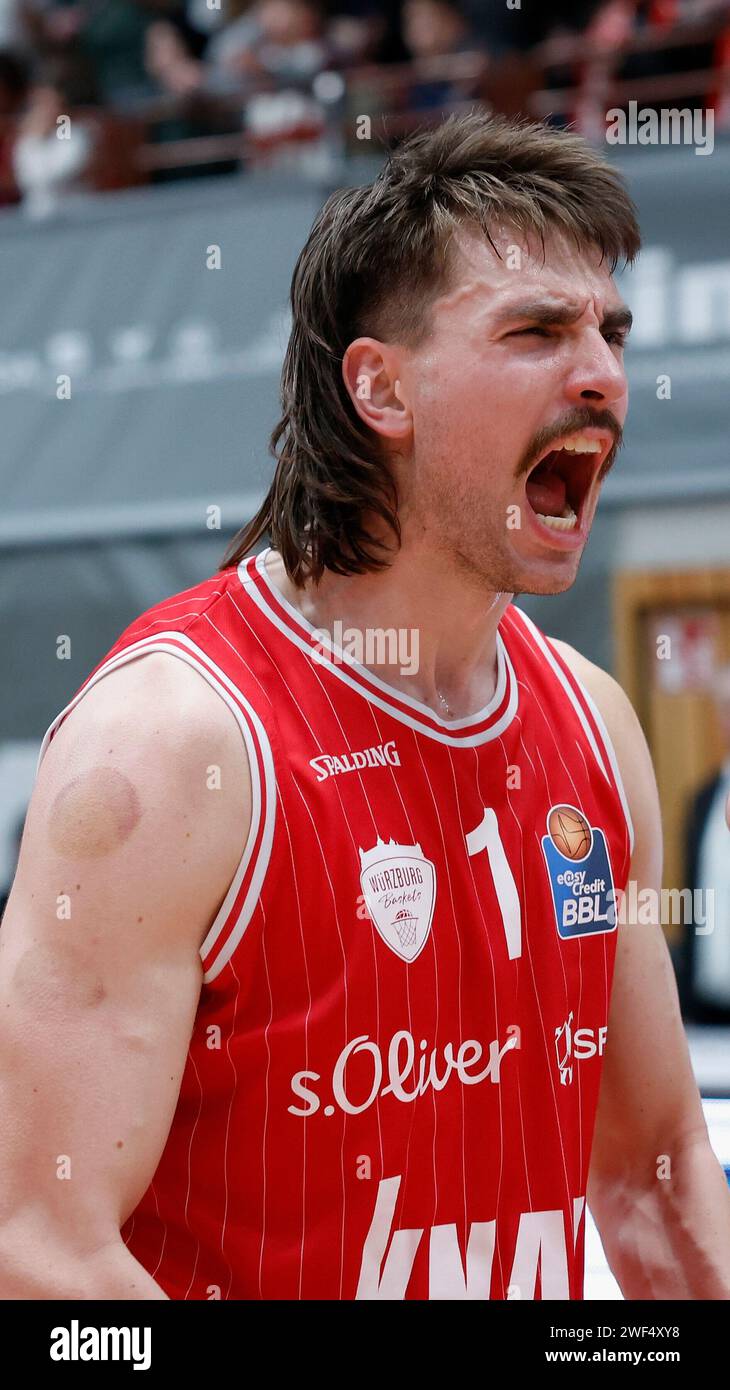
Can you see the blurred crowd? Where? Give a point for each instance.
(137, 75)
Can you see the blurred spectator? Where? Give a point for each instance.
(282, 41)
(705, 977)
(207, 18)
(54, 24)
(168, 70)
(14, 79)
(177, 73)
(13, 31)
(113, 38)
(433, 30)
(272, 54)
(169, 62)
(228, 48)
(434, 27)
(614, 25)
(53, 150)
(106, 35)
(504, 29)
(358, 33)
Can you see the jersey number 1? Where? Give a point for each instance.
(487, 836)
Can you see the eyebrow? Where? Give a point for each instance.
(553, 315)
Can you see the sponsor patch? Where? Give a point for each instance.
(579, 871)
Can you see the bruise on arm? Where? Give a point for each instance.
(93, 814)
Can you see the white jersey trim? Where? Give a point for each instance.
(601, 723)
(263, 796)
(611, 754)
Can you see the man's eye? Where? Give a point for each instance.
(617, 338)
(541, 332)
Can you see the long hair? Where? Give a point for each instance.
(375, 259)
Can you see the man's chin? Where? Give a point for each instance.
(548, 579)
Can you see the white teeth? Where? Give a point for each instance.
(579, 444)
(566, 522)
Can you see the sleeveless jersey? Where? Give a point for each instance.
(391, 1084)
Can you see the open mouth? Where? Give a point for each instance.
(558, 484)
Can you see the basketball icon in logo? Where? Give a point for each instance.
(570, 832)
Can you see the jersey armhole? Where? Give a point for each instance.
(237, 908)
(594, 725)
(612, 758)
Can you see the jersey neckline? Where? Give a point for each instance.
(487, 723)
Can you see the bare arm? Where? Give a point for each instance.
(658, 1194)
(126, 857)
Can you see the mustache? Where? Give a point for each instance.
(572, 423)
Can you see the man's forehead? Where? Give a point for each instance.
(522, 269)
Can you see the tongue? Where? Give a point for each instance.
(546, 493)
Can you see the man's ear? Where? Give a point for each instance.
(369, 371)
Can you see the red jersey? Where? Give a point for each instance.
(391, 1084)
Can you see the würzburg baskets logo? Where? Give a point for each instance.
(399, 887)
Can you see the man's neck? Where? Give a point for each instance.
(441, 643)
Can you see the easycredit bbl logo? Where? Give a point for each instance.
(579, 871)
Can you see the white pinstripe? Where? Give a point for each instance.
(412, 834)
(164, 1231)
(438, 1000)
(523, 898)
(344, 985)
(266, 1106)
(537, 995)
(306, 1044)
(187, 1195)
(232, 1097)
(483, 798)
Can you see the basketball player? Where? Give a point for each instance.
(315, 965)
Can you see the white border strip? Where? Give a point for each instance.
(220, 682)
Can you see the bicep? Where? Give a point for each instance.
(125, 858)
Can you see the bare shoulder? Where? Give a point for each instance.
(147, 778)
(157, 702)
(627, 737)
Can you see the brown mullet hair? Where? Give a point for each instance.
(374, 260)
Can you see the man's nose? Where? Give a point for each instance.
(597, 374)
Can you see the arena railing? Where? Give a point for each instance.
(516, 83)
